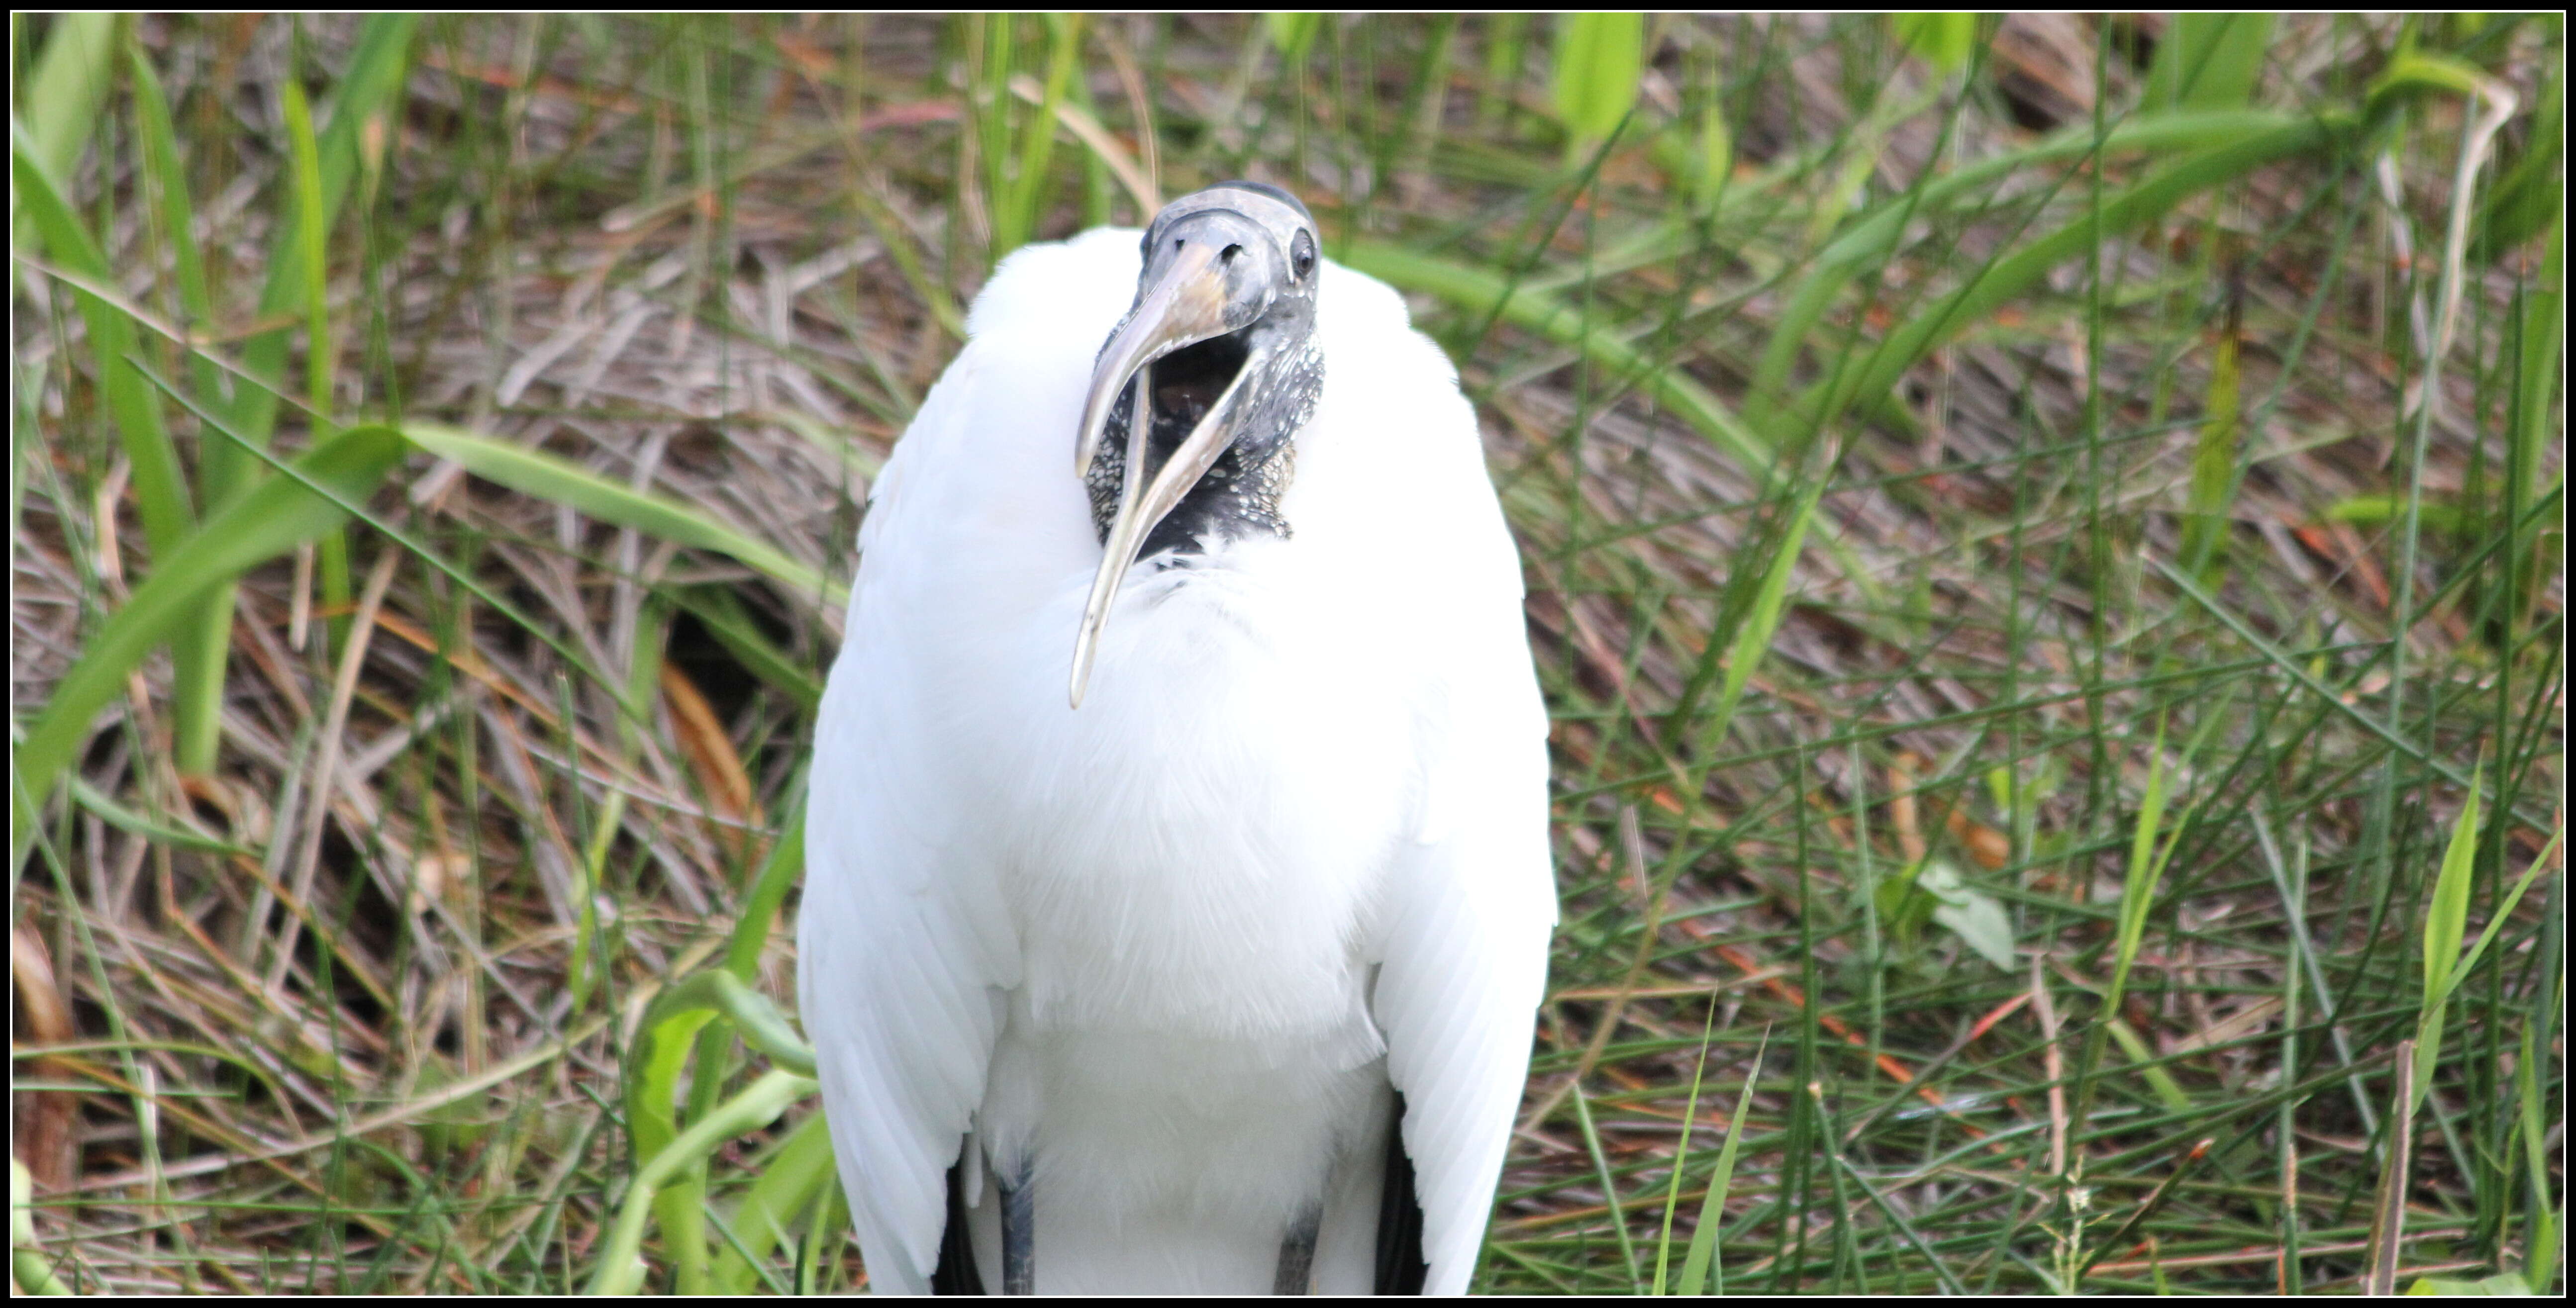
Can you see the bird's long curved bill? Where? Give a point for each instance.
(1185, 307)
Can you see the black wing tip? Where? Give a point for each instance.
(1400, 1266)
(956, 1273)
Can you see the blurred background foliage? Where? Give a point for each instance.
(2045, 547)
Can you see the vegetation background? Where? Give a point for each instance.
(2045, 545)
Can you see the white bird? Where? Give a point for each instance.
(1219, 973)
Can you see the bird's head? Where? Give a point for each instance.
(1196, 394)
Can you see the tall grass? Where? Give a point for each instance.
(2045, 543)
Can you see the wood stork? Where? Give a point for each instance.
(1218, 973)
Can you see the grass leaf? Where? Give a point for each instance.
(1598, 57)
(2208, 61)
(535, 472)
(262, 525)
(1942, 40)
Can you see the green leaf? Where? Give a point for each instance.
(2413, 72)
(620, 1270)
(2446, 924)
(1700, 1265)
(272, 519)
(785, 1186)
(1942, 40)
(160, 486)
(1293, 34)
(561, 481)
(2379, 510)
(1716, 159)
(176, 212)
(1598, 59)
(2208, 61)
(1973, 915)
(2510, 1283)
(124, 819)
(2215, 460)
(1681, 1158)
(361, 107)
(200, 653)
(2168, 1091)
(2146, 868)
(1753, 633)
(29, 1266)
(60, 98)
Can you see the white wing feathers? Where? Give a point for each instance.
(1474, 895)
(1466, 962)
(898, 950)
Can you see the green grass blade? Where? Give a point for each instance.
(365, 94)
(560, 481)
(257, 527)
(2503, 912)
(174, 212)
(2445, 926)
(305, 171)
(1292, 35)
(2540, 365)
(1754, 632)
(785, 1186)
(1476, 290)
(1609, 1186)
(2529, 193)
(60, 100)
(2160, 1081)
(778, 874)
(2216, 463)
(1701, 1273)
(2208, 61)
(199, 655)
(160, 487)
(1942, 40)
(1598, 61)
(2009, 277)
(2540, 1257)
(116, 815)
(2146, 868)
(1874, 236)
(1713, 163)
(1681, 1154)
(620, 1270)
(665, 1042)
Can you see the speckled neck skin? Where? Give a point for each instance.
(1240, 495)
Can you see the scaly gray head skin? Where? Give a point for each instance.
(1219, 352)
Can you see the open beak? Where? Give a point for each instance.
(1183, 308)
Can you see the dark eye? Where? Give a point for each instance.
(1301, 256)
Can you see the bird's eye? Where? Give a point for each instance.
(1301, 256)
